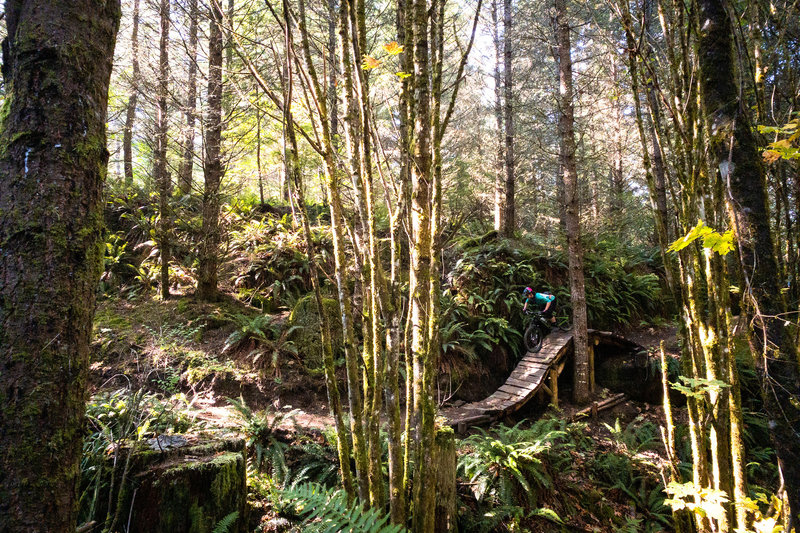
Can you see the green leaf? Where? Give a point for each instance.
(721, 243)
(547, 513)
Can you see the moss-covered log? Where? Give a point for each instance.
(56, 67)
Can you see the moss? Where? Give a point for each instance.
(304, 322)
(107, 318)
(188, 490)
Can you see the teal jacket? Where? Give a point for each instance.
(541, 298)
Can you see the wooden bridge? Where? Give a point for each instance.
(536, 373)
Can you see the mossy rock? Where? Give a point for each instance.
(304, 323)
(191, 489)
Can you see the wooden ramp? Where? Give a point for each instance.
(527, 379)
(535, 373)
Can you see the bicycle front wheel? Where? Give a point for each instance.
(533, 338)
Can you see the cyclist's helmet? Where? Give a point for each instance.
(527, 291)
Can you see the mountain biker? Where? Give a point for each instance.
(547, 299)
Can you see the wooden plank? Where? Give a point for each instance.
(539, 363)
(528, 374)
(498, 395)
(523, 384)
(516, 391)
(532, 363)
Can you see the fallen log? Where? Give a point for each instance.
(596, 407)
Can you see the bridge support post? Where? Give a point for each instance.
(554, 387)
(591, 346)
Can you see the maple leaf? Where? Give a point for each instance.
(369, 63)
(393, 48)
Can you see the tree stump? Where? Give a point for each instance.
(446, 518)
(189, 490)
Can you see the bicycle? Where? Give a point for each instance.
(537, 330)
(539, 327)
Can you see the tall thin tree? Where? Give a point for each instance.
(133, 99)
(213, 170)
(510, 219)
(566, 131)
(161, 174)
(499, 184)
(187, 161)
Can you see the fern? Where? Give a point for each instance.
(225, 524)
(328, 511)
(262, 437)
(507, 463)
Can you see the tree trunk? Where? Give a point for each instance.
(360, 451)
(654, 174)
(616, 179)
(133, 99)
(160, 171)
(56, 66)
(424, 409)
(510, 222)
(209, 247)
(334, 399)
(566, 132)
(333, 101)
(446, 512)
(187, 163)
(734, 150)
(499, 189)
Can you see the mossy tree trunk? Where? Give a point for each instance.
(334, 399)
(360, 450)
(209, 247)
(375, 297)
(56, 65)
(566, 124)
(735, 156)
(160, 172)
(654, 169)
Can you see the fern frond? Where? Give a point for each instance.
(328, 511)
(225, 524)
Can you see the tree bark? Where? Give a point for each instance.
(510, 222)
(334, 399)
(424, 409)
(333, 100)
(133, 99)
(160, 171)
(56, 64)
(499, 189)
(360, 451)
(187, 162)
(213, 170)
(734, 150)
(566, 124)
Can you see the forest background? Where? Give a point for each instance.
(411, 148)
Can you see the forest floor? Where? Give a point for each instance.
(180, 346)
